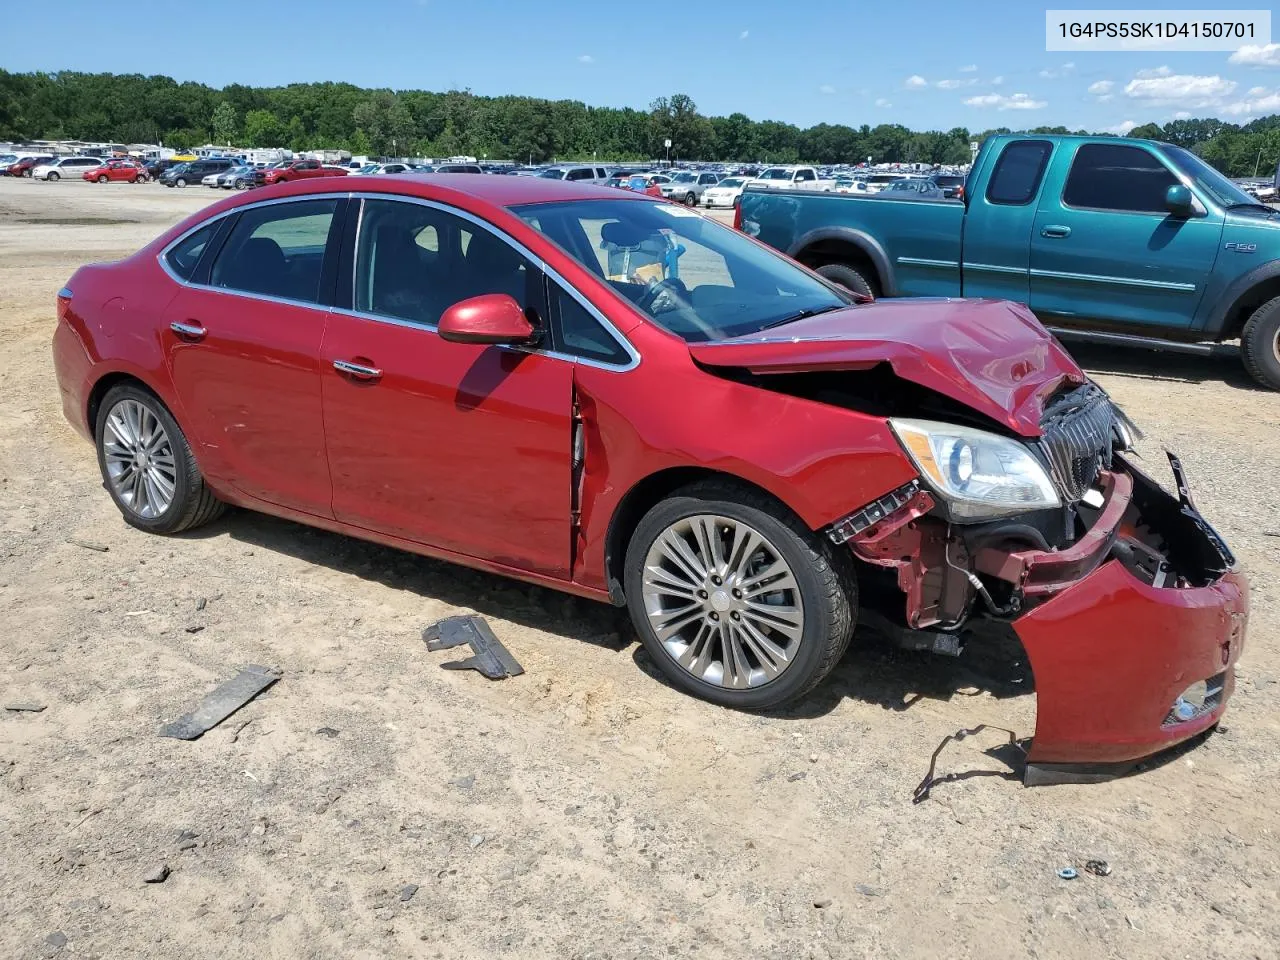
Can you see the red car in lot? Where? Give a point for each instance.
(117, 171)
(301, 170)
(24, 166)
(517, 374)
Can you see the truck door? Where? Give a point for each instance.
(997, 228)
(1106, 247)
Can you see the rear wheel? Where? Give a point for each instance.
(148, 466)
(1260, 344)
(847, 277)
(735, 599)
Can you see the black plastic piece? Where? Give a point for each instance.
(225, 700)
(490, 657)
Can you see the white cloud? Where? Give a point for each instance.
(1018, 101)
(1182, 115)
(744, 34)
(1254, 107)
(1257, 92)
(1180, 89)
(826, 88)
(996, 81)
(882, 102)
(971, 68)
(915, 82)
(1053, 73)
(956, 84)
(1101, 87)
(1121, 128)
(1253, 55)
(586, 58)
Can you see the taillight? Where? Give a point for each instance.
(737, 215)
(960, 192)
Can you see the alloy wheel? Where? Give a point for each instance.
(140, 462)
(722, 601)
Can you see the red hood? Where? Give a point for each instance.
(991, 355)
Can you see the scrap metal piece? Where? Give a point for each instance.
(225, 700)
(1099, 868)
(1067, 873)
(921, 793)
(490, 657)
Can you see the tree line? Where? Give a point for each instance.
(131, 108)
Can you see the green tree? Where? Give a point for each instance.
(226, 123)
(263, 129)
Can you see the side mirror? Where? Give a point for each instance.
(1179, 200)
(490, 318)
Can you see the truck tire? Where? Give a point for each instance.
(1260, 344)
(846, 277)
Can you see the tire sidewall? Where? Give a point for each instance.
(845, 276)
(182, 493)
(796, 678)
(1260, 345)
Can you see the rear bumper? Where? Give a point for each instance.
(72, 366)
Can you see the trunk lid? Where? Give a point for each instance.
(991, 355)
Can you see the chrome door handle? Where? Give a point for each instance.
(1056, 231)
(189, 331)
(357, 370)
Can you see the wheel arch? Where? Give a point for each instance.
(643, 496)
(1242, 298)
(849, 246)
(102, 386)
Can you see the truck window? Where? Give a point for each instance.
(1018, 172)
(1112, 177)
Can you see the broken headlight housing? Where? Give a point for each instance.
(978, 475)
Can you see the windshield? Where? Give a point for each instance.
(684, 178)
(948, 180)
(552, 174)
(731, 182)
(180, 168)
(777, 173)
(693, 277)
(1220, 189)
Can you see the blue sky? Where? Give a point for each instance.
(923, 63)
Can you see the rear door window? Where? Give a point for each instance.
(1017, 175)
(277, 250)
(1108, 176)
(183, 257)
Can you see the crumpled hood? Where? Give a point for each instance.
(991, 355)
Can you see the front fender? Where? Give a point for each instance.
(1217, 310)
(858, 238)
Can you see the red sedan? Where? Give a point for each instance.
(117, 171)
(301, 170)
(613, 396)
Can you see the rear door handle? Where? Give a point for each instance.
(1055, 230)
(357, 371)
(189, 331)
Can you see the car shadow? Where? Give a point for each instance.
(1160, 365)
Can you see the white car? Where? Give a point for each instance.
(878, 181)
(65, 168)
(793, 178)
(725, 193)
(212, 179)
(596, 175)
(851, 185)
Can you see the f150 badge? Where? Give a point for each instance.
(1243, 247)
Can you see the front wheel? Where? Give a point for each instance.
(240, 184)
(180, 182)
(53, 176)
(735, 599)
(148, 466)
(102, 179)
(1260, 344)
(691, 199)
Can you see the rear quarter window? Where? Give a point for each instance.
(1017, 175)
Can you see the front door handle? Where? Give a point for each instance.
(1055, 230)
(357, 371)
(189, 331)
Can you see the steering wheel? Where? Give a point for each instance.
(667, 294)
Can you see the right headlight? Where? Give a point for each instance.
(980, 475)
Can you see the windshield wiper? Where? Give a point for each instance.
(803, 315)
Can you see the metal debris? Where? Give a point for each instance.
(490, 658)
(1067, 873)
(25, 707)
(222, 703)
(1099, 868)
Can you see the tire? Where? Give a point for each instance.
(824, 586)
(1260, 344)
(102, 179)
(240, 183)
(191, 504)
(180, 182)
(846, 277)
(53, 176)
(27, 173)
(690, 199)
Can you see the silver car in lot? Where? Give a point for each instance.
(65, 168)
(688, 186)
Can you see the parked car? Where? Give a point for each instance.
(24, 165)
(384, 168)
(792, 178)
(239, 178)
(878, 181)
(913, 188)
(724, 193)
(195, 171)
(850, 185)
(65, 168)
(1122, 242)
(456, 168)
(116, 171)
(577, 174)
(300, 170)
(7, 160)
(644, 183)
(688, 186)
(951, 185)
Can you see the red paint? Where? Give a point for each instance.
(463, 451)
(489, 318)
(116, 171)
(301, 170)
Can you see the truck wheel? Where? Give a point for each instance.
(1260, 344)
(735, 599)
(846, 277)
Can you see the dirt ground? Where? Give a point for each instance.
(585, 809)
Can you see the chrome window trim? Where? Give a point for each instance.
(521, 249)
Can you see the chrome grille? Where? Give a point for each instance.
(1078, 429)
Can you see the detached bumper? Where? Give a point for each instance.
(1111, 655)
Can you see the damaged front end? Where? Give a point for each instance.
(1127, 602)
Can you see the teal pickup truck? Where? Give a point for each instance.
(1106, 239)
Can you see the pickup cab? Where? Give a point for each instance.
(792, 178)
(1108, 240)
(301, 170)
